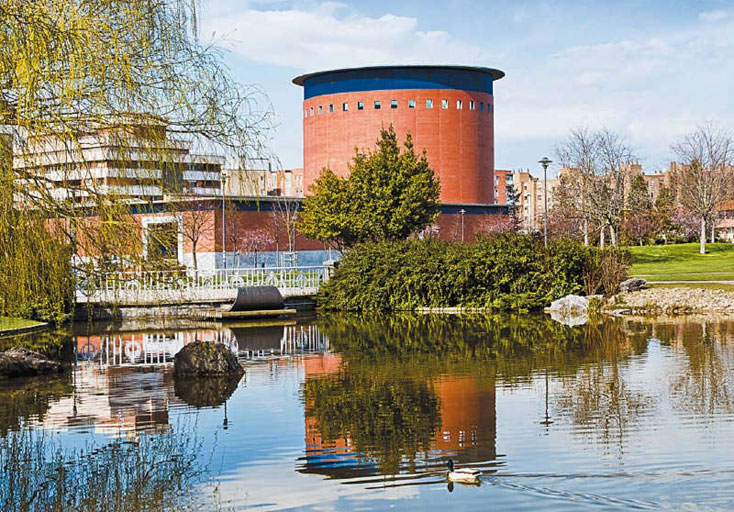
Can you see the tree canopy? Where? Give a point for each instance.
(388, 195)
(127, 74)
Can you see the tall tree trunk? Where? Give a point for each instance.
(602, 237)
(586, 231)
(613, 236)
(702, 238)
(713, 228)
(193, 252)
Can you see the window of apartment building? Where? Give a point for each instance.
(429, 103)
(444, 103)
(321, 109)
(305, 113)
(481, 106)
(312, 111)
(377, 105)
(331, 108)
(459, 104)
(489, 107)
(472, 105)
(393, 103)
(411, 103)
(360, 105)
(345, 107)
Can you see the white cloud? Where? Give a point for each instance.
(715, 15)
(651, 90)
(329, 36)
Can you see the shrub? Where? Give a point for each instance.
(502, 271)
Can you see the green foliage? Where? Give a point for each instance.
(388, 195)
(502, 271)
(35, 268)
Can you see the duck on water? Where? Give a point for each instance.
(462, 475)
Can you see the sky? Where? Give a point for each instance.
(649, 70)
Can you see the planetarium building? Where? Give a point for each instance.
(448, 110)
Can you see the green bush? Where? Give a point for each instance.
(503, 271)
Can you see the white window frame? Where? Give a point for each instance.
(168, 219)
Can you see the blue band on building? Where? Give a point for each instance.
(398, 77)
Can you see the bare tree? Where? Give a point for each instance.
(613, 173)
(196, 222)
(704, 175)
(599, 165)
(578, 154)
(285, 220)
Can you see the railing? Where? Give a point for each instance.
(150, 287)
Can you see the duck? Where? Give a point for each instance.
(462, 475)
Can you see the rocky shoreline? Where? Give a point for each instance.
(672, 301)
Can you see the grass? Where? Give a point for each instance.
(7, 323)
(682, 262)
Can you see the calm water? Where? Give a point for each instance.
(361, 413)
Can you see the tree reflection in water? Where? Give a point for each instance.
(408, 383)
(27, 398)
(706, 387)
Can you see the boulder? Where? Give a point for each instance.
(570, 303)
(201, 358)
(19, 362)
(632, 285)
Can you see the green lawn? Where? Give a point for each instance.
(7, 322)
(682, 262)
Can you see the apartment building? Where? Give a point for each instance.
(136, 160)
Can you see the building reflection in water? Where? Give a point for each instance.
(434, 418)
(118, 388)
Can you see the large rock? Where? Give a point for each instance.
(200, 358)
(632, 285)
(570, 303)
(19, 362)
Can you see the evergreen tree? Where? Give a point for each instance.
(388, 195)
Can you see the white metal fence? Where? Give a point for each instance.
(171, 286)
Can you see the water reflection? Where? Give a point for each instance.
(616, 412)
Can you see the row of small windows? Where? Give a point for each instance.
(394, 104)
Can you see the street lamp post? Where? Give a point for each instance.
(222, 178)
(462, 212)
(545, 162)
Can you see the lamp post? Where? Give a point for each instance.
(462, 212)
(222, 179)
(545, 162)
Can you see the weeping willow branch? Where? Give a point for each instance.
(121, 82)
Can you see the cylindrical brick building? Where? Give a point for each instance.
(449, 111)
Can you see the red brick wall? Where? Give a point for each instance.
(501, 186)
(459, 143)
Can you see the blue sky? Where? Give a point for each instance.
(649, 70)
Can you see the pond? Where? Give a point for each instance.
(346, 412)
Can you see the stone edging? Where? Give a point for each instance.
(41, 326)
